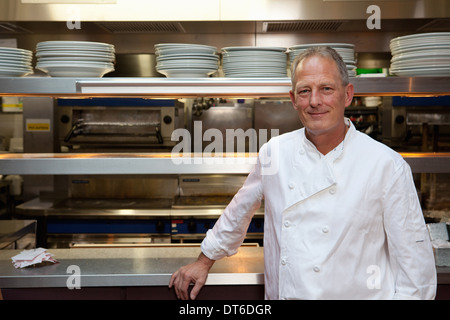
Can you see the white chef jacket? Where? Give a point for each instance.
(347, 225)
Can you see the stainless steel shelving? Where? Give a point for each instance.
(59, 164)
(153, 163)
(128, 163)
(209, 87)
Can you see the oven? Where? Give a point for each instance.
(115, 124)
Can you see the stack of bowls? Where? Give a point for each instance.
(182, 60)
(15, 62)
(345, 50)
(254, 62)
(75, 58)
(426, 54)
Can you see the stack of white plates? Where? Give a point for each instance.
(15, 62)
(426, 54)
(182, 60)
(254, 62)
(75, 58)
(345, 50)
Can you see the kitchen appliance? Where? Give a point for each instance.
(417, 123)
(136, 210)
(118, 123)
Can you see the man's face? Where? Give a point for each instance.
(319, 96)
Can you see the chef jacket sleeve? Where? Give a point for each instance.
(228, 233)
(409, 244)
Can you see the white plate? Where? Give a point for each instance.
(16, 51)
(255, 68)
(12, 72)
(186, 73)
(75, 49)
(75, 59)
(74, 44)
(94, 64)
(257, 49)
(423, 38)
(17, 62)
(418, 47)
(429, 72)
(187, 65)
(259, 75)
(397, 45)
(256, 59)
(188, 56)
(344, 56)
(15, 65)
(12, 57)
(430, 67)
(333, 45)
(422, 35)
(421, 63)
(255, 54)
(255, 64)
(78, 71)
(182, 45)
(184, 50)
(441, 53)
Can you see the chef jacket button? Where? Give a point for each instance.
(333, 190)
(283, 262)
(287, 224)
(325, 229)
(302, 151)
(291, 185)
(316, 268)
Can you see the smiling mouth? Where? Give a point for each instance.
(317, 114)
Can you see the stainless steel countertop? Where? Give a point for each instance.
(107, 267)
(13, 230)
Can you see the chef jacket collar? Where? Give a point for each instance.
(336, 152)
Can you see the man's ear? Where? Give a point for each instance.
(292, 96)
(349, 91)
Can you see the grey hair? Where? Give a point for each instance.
(323, 51)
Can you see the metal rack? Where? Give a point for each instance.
(101, 163)
(162, 163)
(210, 87)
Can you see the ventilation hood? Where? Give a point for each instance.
(134, 26)
(218, 10)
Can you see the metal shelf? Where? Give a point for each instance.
(163, 163)
(126, 163)
(210, 87)
(101, 163)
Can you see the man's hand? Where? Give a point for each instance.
(195, 273)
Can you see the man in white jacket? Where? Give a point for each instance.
(342, 218)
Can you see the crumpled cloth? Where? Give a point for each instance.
(32, 257)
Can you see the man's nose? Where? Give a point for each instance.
(315, 99)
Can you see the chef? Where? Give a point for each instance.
(342, 217)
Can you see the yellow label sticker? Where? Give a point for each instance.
(38, 125)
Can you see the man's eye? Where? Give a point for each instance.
(304, 91)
